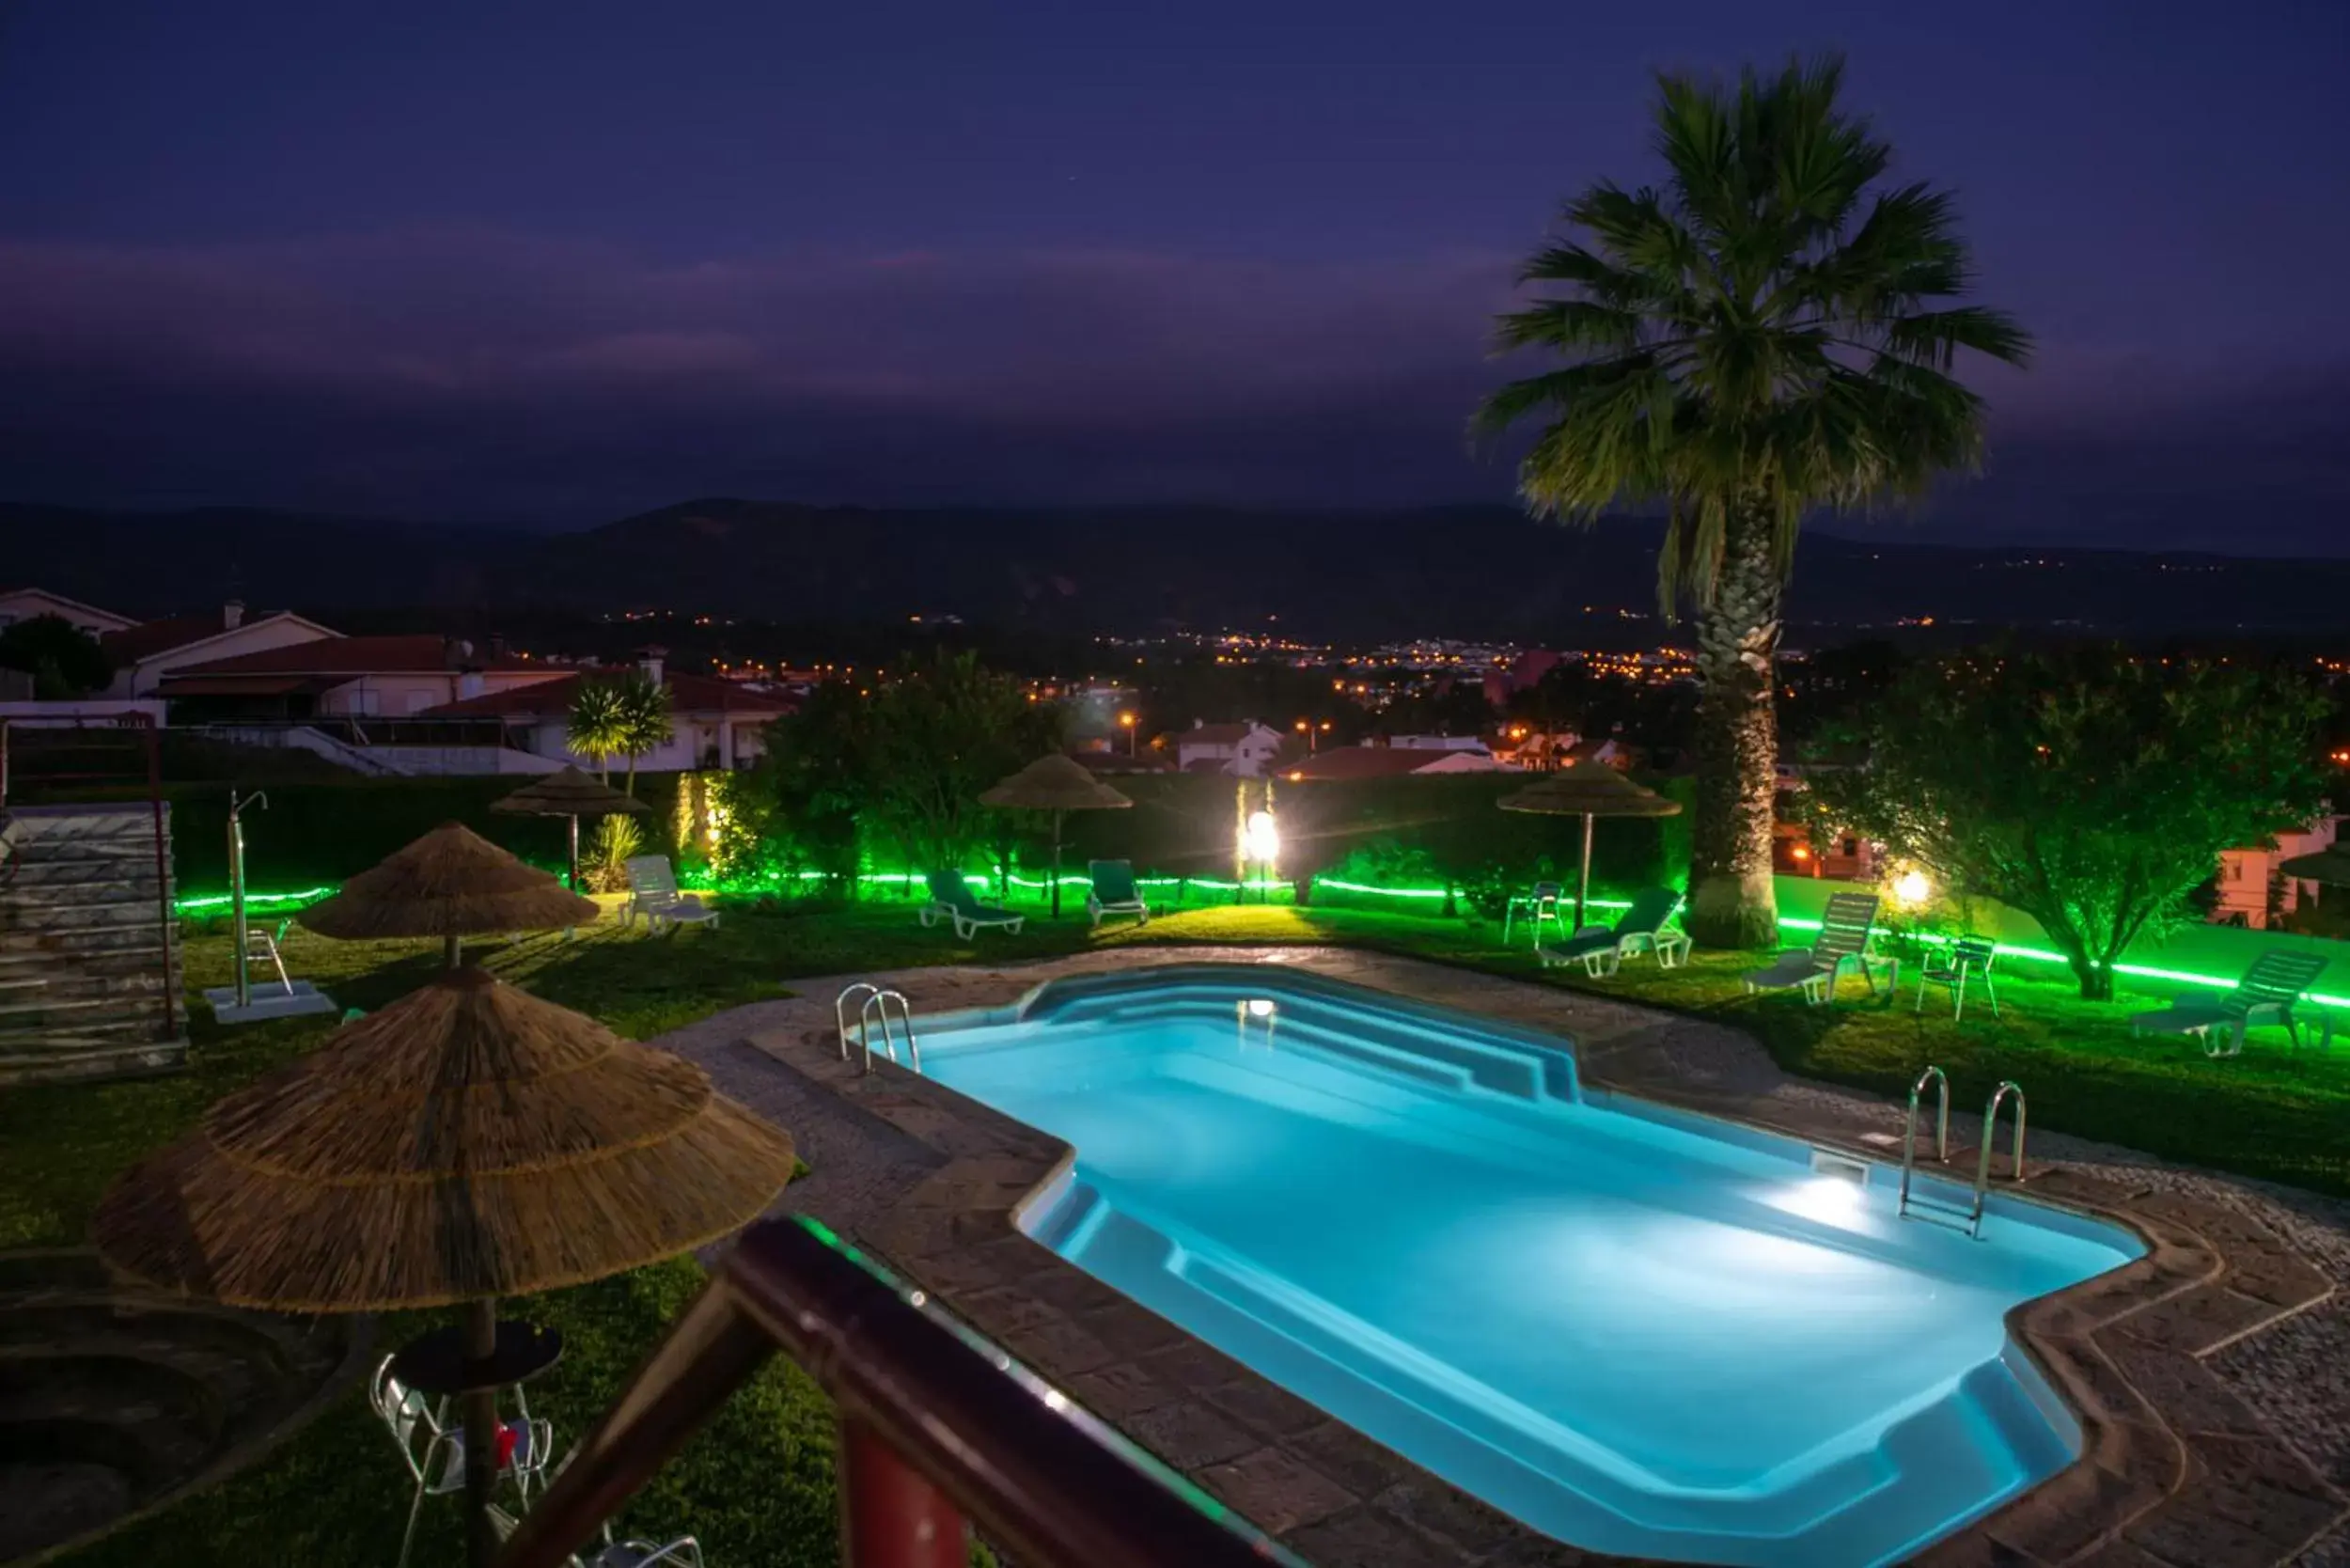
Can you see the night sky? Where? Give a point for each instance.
(555, 264)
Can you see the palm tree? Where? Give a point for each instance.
(595, 725)
(1769, 333)
(643, 707)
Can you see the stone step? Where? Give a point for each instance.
(59, 1058)
(238, 1372)
(31, 918)
(88, 942)
(76, 1284)
(139, 847)
(77, 983)
(16, 1009)
(150, 1431)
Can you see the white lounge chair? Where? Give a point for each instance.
(1843, 944)
(652, 892)
(1114, 892)
(2266, 995)
(1602, 950)
(951, 897)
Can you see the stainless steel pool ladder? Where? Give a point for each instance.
(874, 1010)
(1909, 1131)
(1990, 1136)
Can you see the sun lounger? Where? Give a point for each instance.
(950, 899)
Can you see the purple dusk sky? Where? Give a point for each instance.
(559, 262)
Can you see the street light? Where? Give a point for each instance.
(1126, 722)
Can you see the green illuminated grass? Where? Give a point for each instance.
(757, 1487)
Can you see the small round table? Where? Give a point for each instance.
(437, 1363)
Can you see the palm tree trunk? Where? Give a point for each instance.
(1732, 900)
(630, 791)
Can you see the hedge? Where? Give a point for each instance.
(317, 834)
(1440, 830)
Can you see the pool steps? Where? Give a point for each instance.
(1960, 1443)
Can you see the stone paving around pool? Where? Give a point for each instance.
(2211, 1377)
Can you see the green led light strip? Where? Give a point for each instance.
(222, 901)
(200, 903)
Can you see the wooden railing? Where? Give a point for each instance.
(939, 1435)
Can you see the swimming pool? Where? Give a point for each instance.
(1639, 1331)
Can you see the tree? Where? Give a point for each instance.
(641, 719)
(596, 726)
(1768, 334)
(813, 769)
(63, 660)
(943, 730)
(909, 762)
(2091, 789)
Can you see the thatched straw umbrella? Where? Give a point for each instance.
(452, 883)
(1057, 784)
(467, 1143)
(570, 792)
(1591, 790)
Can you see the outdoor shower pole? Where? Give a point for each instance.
(236, 887)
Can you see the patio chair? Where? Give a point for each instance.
(1967, 957)
(1540, 903)
(435, 1450)
(1602, 950)
(685, 1552)
(1843, 944)
(1114, 892)
(951, 897)
(2268, 993)
(652, 892)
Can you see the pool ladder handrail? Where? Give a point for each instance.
(872, 1012)
(1909, 1129)
(1990, 1137)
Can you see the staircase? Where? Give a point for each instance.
(114, 1400)
(89, 968)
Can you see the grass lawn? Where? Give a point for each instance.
(756, 1486)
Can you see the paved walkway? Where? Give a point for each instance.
(2214, 1381)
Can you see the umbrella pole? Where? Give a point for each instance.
(481, 1425)
(574, 854)
(1583, 879)
(1056, 816)
(450, 948)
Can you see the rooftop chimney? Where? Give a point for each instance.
(232, 615)
(649, 660)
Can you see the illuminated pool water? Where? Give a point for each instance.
(1637, 1331)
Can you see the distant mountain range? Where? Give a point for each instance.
(1470, 571)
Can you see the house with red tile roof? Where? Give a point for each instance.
(1386, 761)
(344, 678)
(30, 603)
(145, 653)
(718, 722)
(1247, 749)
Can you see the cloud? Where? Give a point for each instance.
(460, 373)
